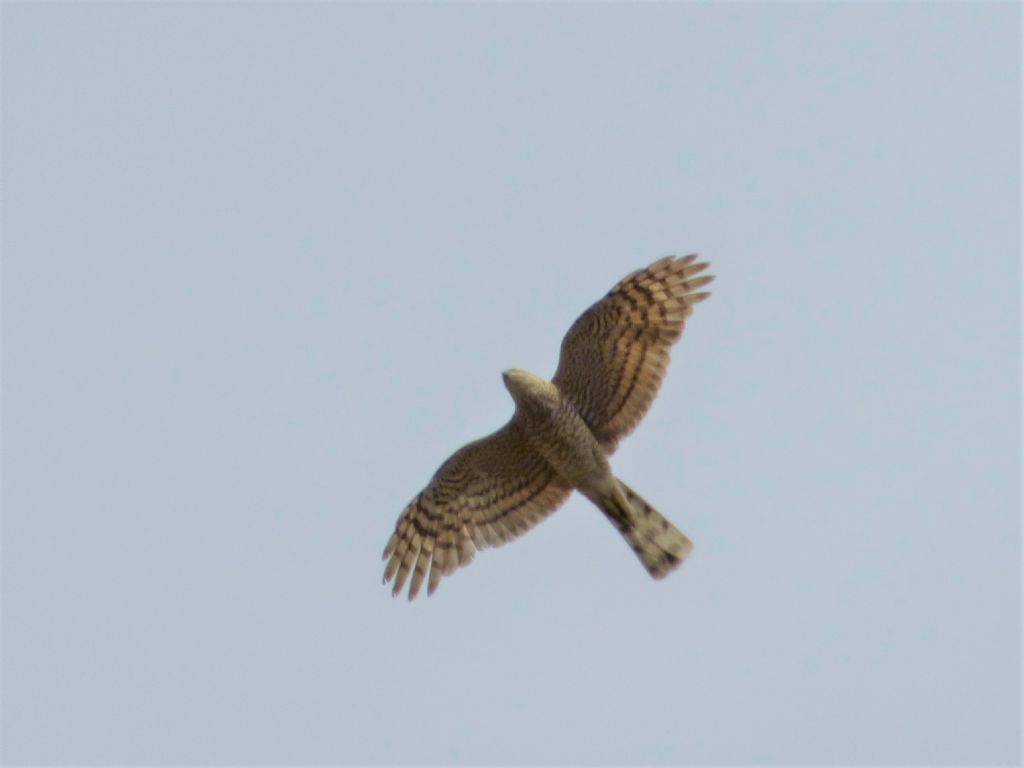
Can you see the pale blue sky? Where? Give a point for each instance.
(263, 265)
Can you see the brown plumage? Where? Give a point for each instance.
(612, 363)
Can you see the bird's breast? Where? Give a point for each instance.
(567, 444)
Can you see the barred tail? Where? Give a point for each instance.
(660, 546)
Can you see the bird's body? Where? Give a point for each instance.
(559, 439)
(556, 431)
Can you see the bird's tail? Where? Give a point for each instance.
(660, 546)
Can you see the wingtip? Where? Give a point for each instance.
(698, 282)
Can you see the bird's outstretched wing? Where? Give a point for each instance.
(488, 492)
(616, 353)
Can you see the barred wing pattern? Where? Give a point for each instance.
(488, 492)
(614, 357)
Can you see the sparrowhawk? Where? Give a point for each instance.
(560, 437)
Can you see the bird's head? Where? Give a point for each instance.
(528, 389)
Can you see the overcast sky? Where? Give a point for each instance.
(264, 264)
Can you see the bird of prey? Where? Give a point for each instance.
(560, 437)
